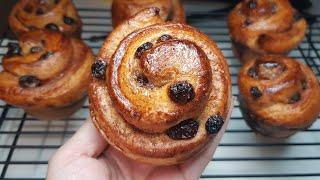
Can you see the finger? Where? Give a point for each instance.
(86, 142)
(195, 166)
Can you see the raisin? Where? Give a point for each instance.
(13, 49)
(295, 98)
(29, 81)
(164, 38)
(214, 124)
(304, 85)
(252, 72)
(252, 4)
(39, 11)
(98, 69)
(144, 47)
(247, 22)
(255, 92)
(46, 55)
(35, 49)
(181, 92)
(52, 27)
(186, 129)
(68, 20)
(142, 80)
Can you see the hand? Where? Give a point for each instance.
(87, 156)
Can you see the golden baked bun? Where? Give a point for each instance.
(160, 91)
(265, 27)
(47, 74)
(56, 15)
(279, 95)
(170, 10)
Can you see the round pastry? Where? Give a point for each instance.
(46, 74)
(279, 95)
(160, 92)
(170, 10)
(265, 27)
(56, 15)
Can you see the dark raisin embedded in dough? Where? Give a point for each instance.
(142, 80)
(252, 4)
(252, 72)
(13, 49)
(68, 20)
(39, 11)
(144, 47)
(181, 92)
(295, 98)
(28, 9)
(98, 69)
(35, 49)
(164, 38)
(52, 27)
(46, 55)
(184, 130)
(247, 22)
(214, 124)
(255, 92)
(274, 8)
(29, 81)
(304, 85)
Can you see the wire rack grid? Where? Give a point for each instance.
(26, 144)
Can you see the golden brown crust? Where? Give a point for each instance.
(279, 95)
(266, 27)
(61, 64)
(132, 134)
(28, 15)
(170, 10)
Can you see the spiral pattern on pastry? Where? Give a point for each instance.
(170, 10)
(164, 85)
(279, 95)
(56, 15)
(46, 70)
(265, 27)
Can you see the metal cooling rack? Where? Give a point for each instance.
(26, 144)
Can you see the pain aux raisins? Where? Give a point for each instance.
(255, 92)
(141, 49)
(68, 20)
(52, 27)
(13, 49)
(214, 124)
(181, 92)
(98, 69)
(28, 81)
(186, 129)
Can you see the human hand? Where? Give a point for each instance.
(87, 156)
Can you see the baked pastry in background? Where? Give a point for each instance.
(170, 10)
(47, 74)
(160, 91)
(265, 27)
(56, 15)
(279, 95)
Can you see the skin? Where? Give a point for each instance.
(87, 156)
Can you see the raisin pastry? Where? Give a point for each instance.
(265, 27)
(279, 95)
(161, 91)
(56, 15)
(170, 10)
(46, 74)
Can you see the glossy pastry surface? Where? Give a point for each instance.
(279, 95)
(45, 70)
(265, 27)
(161, 91)
(55, 15)
(170, 10)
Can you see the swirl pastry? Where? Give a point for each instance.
(279, 95)
(160, 92)
(46, 74)
(265, 27)
(56, 15)
(170, 10)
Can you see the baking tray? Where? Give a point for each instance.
(26, 144)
